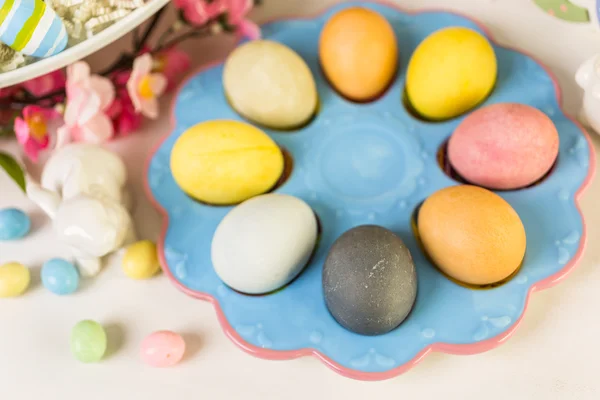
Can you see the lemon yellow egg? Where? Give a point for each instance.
(140, 260)
(450, 72)
(358, 53)
(14, 279)
(472, 234)
(269, 83)
(225, 162)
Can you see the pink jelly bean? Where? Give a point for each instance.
(162, 349)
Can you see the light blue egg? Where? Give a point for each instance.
(60, 276)
(14, 224)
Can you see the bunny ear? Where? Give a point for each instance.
(596, 91)
(585, 72)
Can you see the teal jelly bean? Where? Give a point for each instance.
(88, 341)
(60, 276)
(14, 224)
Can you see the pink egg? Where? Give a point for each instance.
(162, 349)
(504, 146)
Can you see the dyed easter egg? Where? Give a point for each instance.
(358, 53)
(88, 341)
(225, 162)
(504, 146)
(14, 224)
(471, 234)
(140, 260)
(269, 83)
(450, 72)
(14, 279)
(369, 280)
(32, 27)
(60, 276)
(264, 243)
(162, 349)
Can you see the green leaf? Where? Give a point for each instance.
(13, 169)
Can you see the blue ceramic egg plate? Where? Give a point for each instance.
(374, 163)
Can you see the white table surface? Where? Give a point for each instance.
(553, 355)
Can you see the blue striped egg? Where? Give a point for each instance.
(31, 27)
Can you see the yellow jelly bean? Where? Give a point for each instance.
(14, 279)
(141, 260)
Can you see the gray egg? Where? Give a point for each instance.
(369, 280)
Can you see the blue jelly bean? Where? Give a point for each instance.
(14, 224)
(60, 276)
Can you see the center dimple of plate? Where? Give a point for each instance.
(360, 159)
(363, 162)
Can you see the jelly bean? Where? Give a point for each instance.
(162, 349)
(88, 341)
(141, 260)
(14, 224)
(60, 276)
(14, 279)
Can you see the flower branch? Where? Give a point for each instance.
(77, 105)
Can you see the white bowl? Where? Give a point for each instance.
(83, 49)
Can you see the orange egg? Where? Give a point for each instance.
(358, 53)
(472, 234)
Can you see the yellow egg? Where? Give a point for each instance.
(14, 279)
(358, 53)
(140, 260)
(472, 234)
(450, 72)
(269, 83)
(225, 162)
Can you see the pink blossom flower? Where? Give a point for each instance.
(115, 109)
(122, 113)
(236, 16)
(145, 87)
(33, 131)
(88, 98)
(172, 63)
(9, 91)
(45, 84)
(120, 78)
(128, 121)
(198, 12)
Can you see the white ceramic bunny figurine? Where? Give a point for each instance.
(588, 78)
(83, 190)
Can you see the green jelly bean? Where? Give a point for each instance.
(88, 341)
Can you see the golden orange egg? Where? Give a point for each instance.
(358, 53)
(472, 234)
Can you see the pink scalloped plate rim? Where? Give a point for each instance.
(455, 349)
